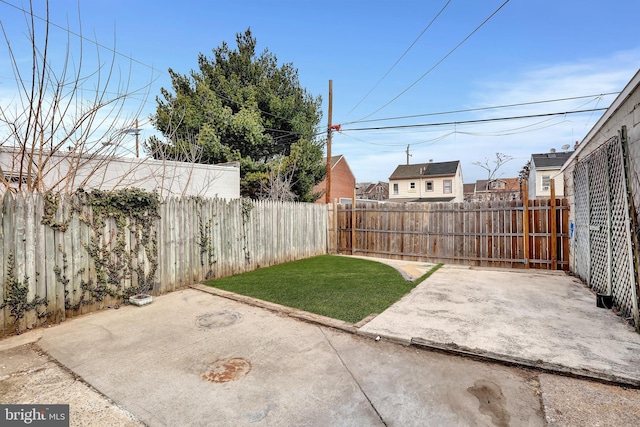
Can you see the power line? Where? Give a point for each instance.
(439, 62)
(130, 58)
(401, 56)
(533, 127)
(469, 110)
(112, 50)
(474, 121)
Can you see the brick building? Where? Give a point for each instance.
(343, 183)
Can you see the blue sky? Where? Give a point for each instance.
(528, 51)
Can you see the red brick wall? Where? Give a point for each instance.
(343, 183)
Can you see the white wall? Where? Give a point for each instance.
(168, 178)
(535, 183)
(405, 192)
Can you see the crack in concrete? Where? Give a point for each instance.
(364, 393)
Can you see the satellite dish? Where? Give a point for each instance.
(565, 147)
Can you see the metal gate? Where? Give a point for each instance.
(603, 244)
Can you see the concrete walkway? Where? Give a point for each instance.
(534, 318)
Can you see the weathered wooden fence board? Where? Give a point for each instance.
(196, 240)
(479, 233)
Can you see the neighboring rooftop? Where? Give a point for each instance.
(500, 184)
(425, 169)
(551, 160)
(334, 160)
(469, 188)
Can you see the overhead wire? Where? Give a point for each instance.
(116, 52)
(421, 125)
(112, 50)
(469, 110)
(401, 57)
(439, 62)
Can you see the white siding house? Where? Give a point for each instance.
(427, 182)
(544, 168)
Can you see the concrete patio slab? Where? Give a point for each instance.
(547, 320)
(192, 358)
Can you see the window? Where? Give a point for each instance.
(14, 180)
(446, 186)
(497, 185)
(546, 182)
(428, 186)
(412, 186)
(395, 188)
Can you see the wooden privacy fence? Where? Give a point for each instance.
(497, 233)
(58, 259)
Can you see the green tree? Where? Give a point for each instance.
(239, 106)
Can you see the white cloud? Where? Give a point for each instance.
(518, 138)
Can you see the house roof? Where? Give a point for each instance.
(550, 160)
(469, 188)
(334, 160)
(425, 170)
(362, 186)
(510, 184)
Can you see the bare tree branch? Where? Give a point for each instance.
(492, 166)
(63, 122)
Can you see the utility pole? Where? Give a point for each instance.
(329, 130)
(408, 155)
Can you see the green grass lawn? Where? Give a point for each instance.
(343, 288)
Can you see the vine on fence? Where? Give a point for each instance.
(247, 207)
(16, 295)
(61, 277)
(131, 208)
(206, 242)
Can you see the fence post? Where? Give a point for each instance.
(353, 223)
(525, 222)
(554, 227)
(335, 227)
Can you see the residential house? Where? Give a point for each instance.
(544, 168)
(361, 187)
(372, 191)
(427, 182)
(469, 192)
(343, 182)
(68, 171)
(496, 189)
(603, 192)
